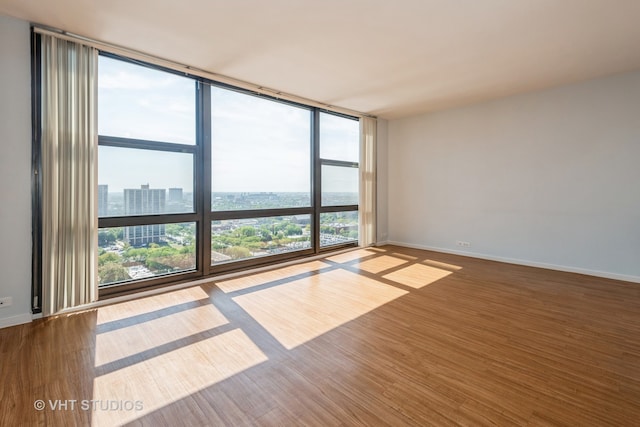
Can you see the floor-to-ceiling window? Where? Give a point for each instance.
(339, 142)
(147, 172)
(197, 177)
(261, 182)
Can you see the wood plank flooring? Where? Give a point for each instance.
(379, 336)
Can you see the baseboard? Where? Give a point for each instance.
(384, 242)
(567, 269)
(15, 320)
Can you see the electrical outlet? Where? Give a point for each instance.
(463, 244)
(6, 302)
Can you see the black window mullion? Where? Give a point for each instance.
(142, 144)
(317, 178)
(203, 113)
(340, 163)
(133, 220)
(343, 208)
(259, 213)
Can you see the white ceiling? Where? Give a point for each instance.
(391, 58)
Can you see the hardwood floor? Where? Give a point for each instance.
(380, 336)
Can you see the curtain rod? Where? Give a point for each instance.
(141, 56)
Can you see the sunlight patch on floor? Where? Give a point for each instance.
(258, 279)
(301, 310)
(351, 255)
(381, 263)
(417, 275)
(167, 378)
(131, 340)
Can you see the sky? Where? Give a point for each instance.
(257, 145)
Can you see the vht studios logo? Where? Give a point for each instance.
(88, 405)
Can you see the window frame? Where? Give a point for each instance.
(117, 288)
(202, 214)
(318, 195)
(239, 265)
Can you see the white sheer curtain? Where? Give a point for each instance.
(367, 203)
(69, 174)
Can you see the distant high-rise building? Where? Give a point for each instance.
(144, 201)
(175, 195)
(175, 200)
(103, 200)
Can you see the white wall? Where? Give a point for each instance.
(550, 178)
(382, 231)
(15, 171)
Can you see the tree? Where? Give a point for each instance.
(326, 229)
(109, 257)
(246, 231)
(190, 249)
(106, 238)
(112, 272)
(135, 254)
(173, 229)
(265, 234)
(237, 252)
(109, 236)
(293, 229)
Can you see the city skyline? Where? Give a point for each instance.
(178, 201)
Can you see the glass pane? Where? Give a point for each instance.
(138, 102)
(260, 153)
(339, 185)
(142, 182)
(339, 138)
(238, 239)
(338, 227)
(133, 253)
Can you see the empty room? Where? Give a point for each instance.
(330, 213)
